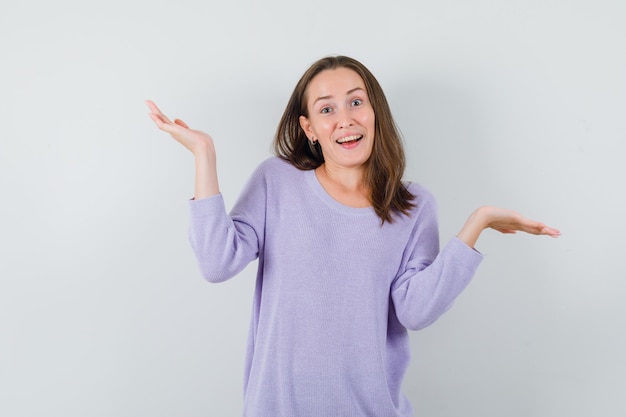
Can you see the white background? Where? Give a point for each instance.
(514, 103)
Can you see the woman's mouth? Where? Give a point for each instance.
(349, 139)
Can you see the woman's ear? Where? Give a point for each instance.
(305, 124)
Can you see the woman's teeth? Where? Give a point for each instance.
(349, 139)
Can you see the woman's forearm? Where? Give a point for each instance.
(206, 183)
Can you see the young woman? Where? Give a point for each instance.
(348, 253)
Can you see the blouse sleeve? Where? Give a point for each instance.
(431, 280)
(224, 244)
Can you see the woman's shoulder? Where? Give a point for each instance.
(424, 204)
(422, 194)
(275, 163)
(275, 169)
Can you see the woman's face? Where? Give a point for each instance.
(341, 117)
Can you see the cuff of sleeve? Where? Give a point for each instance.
(206, 207)
(460, 247)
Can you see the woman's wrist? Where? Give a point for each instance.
(473, 227)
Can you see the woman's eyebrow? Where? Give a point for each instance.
(347, 93)
(355, 89)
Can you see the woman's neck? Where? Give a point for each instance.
(346, 185)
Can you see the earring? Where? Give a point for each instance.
(313, 140)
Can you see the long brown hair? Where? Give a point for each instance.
(385, 167)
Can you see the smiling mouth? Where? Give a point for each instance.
(347, 139)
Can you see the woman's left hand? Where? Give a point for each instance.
(502, 220)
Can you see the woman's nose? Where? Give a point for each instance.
(345, 120)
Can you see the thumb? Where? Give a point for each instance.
(181, 123)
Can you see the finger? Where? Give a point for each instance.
(531, 226)
(155, 110)
(153, 107)
(165, 126)
(158, 119)
(550, 231)
(181, 123)
(541, 229)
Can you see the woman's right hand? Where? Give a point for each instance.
(198, 142)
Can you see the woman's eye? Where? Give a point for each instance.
(357, 102)
(326, 110)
